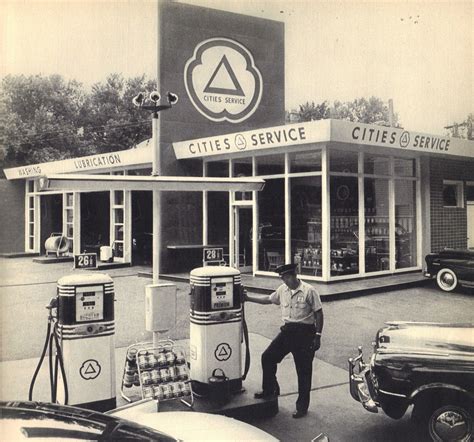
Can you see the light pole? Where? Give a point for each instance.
(151, 105)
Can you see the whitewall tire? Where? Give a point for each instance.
(447, 280)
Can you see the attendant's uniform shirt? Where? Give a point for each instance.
(299, 305)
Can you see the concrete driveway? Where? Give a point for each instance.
(26, 288)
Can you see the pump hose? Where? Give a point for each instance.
(247, 345)
(51, 336)
(53, 381)
(45, 347)
(59, 357)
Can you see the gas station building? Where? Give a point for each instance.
(342, 199)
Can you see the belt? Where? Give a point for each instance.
(298, 326)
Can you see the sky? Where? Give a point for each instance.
(418, 53)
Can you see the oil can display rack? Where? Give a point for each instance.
(158, 371)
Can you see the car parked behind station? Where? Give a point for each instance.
(451, 268)
(428, 366)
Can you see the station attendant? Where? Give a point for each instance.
(300, 335)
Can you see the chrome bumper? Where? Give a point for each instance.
(358, 384)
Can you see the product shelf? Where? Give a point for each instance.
(157, 371)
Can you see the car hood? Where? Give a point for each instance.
(431, 338)
(191, 425)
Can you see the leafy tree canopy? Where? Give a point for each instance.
(46, 118)
(371, 111)
(462, 130)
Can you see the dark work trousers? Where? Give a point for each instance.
(296, 339)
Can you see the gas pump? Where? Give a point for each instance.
(217, 327)
(83, 331)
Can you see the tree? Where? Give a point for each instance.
(361, 110)
(370, 111)
(462, 130)
(310, 111)
(48, 118)
(39, 118)
(112, 122)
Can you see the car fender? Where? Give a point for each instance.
(428, 388)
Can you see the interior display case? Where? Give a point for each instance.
(344, 225)
(306, 225)
(344, 242)
(309, 260)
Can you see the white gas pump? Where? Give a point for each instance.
(83, 331)
(217, 326)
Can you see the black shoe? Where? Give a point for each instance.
(265, 394)
(299, 413)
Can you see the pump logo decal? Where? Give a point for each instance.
(223, 352)
(222, 80)
(90, 369)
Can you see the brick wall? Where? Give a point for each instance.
(12, 216)
(448, 225)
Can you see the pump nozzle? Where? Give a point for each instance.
(243, 294)
(53, 303)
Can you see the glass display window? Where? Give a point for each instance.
(453, 193)
(140, 172)
(376, 164)
(218, 217)
(242, 167)
(376, 224)
(301, 162)
(270, 164)
(271, 225)
(343, 161)
(306, 225)
(217, 169)
(470, 192)
(118, 198)
(404, 167)
(68, 218)
(405, 224)
(344, 220)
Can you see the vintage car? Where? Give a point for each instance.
(451, 267)
(21, 420)
(428, 366)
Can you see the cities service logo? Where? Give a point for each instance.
(222, 80)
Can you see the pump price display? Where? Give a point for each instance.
(213, 255)
(89, 303)
(85, 261)
(222, 293)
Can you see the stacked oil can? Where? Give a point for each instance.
(159, 372)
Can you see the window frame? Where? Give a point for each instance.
(459, 193)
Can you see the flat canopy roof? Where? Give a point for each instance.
(323, 131)
(98, 183)
(260, 140)
(121, 159)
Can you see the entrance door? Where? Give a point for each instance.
(470, 225)
(243, 238)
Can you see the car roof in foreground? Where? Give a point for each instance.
(25, 419)
(192, 425)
